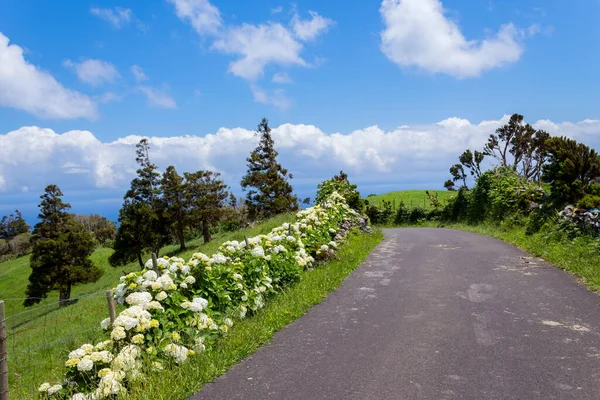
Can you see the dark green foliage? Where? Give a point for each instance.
(458, 174)
(341, 184)
(61, 247)
(571, 171)
(456, 209)
(589, 201)
(13, 225)
(206, 194)
(472, 161)
(449, 184)
(416, 215)
(102, 229)
(142, 224)
(402, 214)
(380, 216)
(176, 209)
(269, 192)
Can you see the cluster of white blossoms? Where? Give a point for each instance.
(206, 294)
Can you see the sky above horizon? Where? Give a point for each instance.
(389, 91)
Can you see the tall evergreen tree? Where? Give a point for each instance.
(174, 197)
(61, 247)
(269, 192)
(206, 194)
(142, 225)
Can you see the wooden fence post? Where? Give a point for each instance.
(154, 262)
(3, 355)
(111, 305)
(246, 240)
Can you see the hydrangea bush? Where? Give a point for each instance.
(180, 308)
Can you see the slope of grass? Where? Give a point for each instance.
(411, 198)
(247, 335)
(40, 338)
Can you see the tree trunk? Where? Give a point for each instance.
(181, 238)
(206, 231)
(139, 256)
(64, 294)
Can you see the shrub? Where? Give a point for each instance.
(341, 185)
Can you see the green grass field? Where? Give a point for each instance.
(39, 338)
(411, 198)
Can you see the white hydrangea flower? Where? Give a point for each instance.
(279, 249)
(179, 353)
(165, 281)
(228, 322)
(218, 259)
(324, 248)
(155, 305)
(79, 396)
(190, 280)
(79, 353)
(118, 333)
(54, 389)
(44, 387)
(150, 276)
(196, 305)
(161, 296)
(332, 244)
(86, 364)
(258, 252)
(139, 299)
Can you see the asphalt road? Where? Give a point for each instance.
(434, 314)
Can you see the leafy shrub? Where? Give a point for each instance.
(589, 201)
(341, 185)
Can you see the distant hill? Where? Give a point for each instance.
(411, 198)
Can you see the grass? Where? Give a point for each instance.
(579, 256)
(411, 198)
(248, 334)
(40, 338)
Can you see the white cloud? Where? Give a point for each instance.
(420, 155)
(309, 29)
(418, 34)
(281, 77)
(274, 97)
(94, 72)
(117, 17)
(204, 17)
(257, 46)
(276, 10)
(138, 73)
(26, 87)
(157, 97)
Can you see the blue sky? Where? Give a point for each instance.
(389, 91)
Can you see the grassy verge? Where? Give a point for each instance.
(40, 338)
(248, 334)
(411, 198)
(579, 256)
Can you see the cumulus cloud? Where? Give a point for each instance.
(26, 87)
(257, 46)
(419, 155)
(204, 17)
(309, 29)
(117, 16)
(138, 73)
(418, 34)
(94, 72)
(274, 97)
(157, 97)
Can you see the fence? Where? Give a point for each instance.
(32, 341)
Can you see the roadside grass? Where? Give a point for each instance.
(579, 256)
(411, 198)
(40, 338)
(249, 334)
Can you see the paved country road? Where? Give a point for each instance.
(434, 314)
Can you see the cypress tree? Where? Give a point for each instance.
(174, 198)
(61, 247)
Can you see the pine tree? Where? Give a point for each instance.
(142, 225)
(269, 192)
(206, 193)
(61, 250)
(174, 197)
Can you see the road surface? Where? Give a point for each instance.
(434, 314)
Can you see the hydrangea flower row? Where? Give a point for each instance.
(179, 308)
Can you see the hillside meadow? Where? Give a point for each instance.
(411, 198)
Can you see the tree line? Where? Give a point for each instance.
(158, 209)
